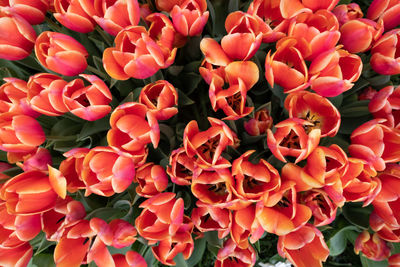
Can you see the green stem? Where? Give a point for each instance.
(62, 138)
(96, 71)
(54, 25)
(105, 37)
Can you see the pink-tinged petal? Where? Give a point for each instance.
(100, 254)
(16, 257)
(28, 226)
(124, 172)
(75, 22)
(68, 63)
(134, 259)
(28, 130)
(291, 8)
(70, 252)
(213, 52)
(58, 182)
(111, 66)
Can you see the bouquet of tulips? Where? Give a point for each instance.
(199, 133)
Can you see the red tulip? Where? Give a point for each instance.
(16, 257)
(322, 207)
(71, 168)
(17, 37)
(231, 255)
(152, 179)
(75, 14)
(190, 17)
(344, 13)
(114, 16)
(33, 160)
(61, 53)
(372, 247)
(210, 218)
(87, 102)
(136, 55)
(385, 53)
(304, 247)
(259, 124)
(180, 167)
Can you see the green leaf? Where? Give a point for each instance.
(105, 213)
(92, 127)
(356, 214)
(190, 81)
(233, 5)
(180, 261)
(212, 239)
(42, 260)
(337, 243)
(183, 99)
(149, 257)
(65, 127)
(365, 262)
(278, 92)
(197, 255)
(337, 100)
(379, 80)
(210, 8)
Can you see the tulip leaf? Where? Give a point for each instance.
(212, 238)
(356, 214)
(180, 261)
(114, 250)
(379, 81)
(190, 81)
(348, 126)
(149, 257)
(106, 213)
(92, 127)
(360, 84)
(338, 242)
(183, 99)
(197, 255)
(365, 262)
(13, 171)
(210, 8)
(42, 260)
(337, 100)
(233, 5)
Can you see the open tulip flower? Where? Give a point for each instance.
(384, 105)
(386, 10)
(385, 53)
(344, 13)
(371, 246)
(33, 11)
(189, 17)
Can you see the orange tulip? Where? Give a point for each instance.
(290, 8)
(17, 37)
(136, 55)
(71, 168)
(384, 105)
(37, 159)
(394, 260)
(259, 124)
(161, 217)
(30, 193)
(87, 102)
(20, 133)
(16, 257)
(61, 53)
(385, 53)
(293, 137)
(231, 255)
(387, 10)
(114, 16)
(208, 145)
(358, 35)
(13, 97)
(45, 94)
(210, 218)
(372, 247)
(271, 23)
(315, 32)
(107, 171)
(167, 5)
(130, 259)
(254, 181)
(344, 13)
(33, 11)
(75, 14)
(190, 17)
(180, 167)
(162, 31)
(286, 67)
(133, 139)
(384, 229)
(242, 28)
(304, 247)
(315, 109)
(334, 72)
(281, 213)
(160, 98)
(151, 178)
(375, 143)
(322, 207)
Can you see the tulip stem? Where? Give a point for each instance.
(96, 71)
(105, 37)
(54, 25)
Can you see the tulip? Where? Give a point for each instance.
(358, 35)
(334, 72)
(152, 179)
(344, 13)
(286, 67)
(75, 14)
(271, 23)
(87, 102)
(293, 137)
(13, 98)
(17, 37)
(161, 217)
(19, 256)
(160, 98)
(136, 55)
(259, 124)
(30, 193)
(45, 94)
(384, 105)
(167, 5)
(394, 260)
(190, 17)
(61, 53)
(375, 143)
(20, 133)
(231, 255)
(33, 160)
(128, 138)
(107, 171)
(281, 213)
(384, 229)
(210, 218)
(180, 167)
(213, 52)
(162, 31)
(242, 28)
(290, 8)
(315, 109)
(385, 59)
(386, 10)
(253, 181)
(207, 146)
(33, 11)
(322, 207)
(130, 259)
(304, 247)
(114, 16)
(372, 247)
(71, 168)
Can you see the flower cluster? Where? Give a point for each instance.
(138, 133)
